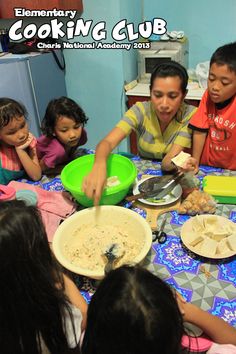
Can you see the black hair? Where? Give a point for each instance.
(62, 106)
(32, 301)
(225, 55)
(133, 312)
(10, 109)
(170, 68)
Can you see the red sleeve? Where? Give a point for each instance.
(200, 119)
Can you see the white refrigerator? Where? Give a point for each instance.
(32, 79)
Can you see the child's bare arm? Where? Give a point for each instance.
(216, 328)
(198, 144)
(43, 166)
(30, 162)
(94, 182)
(76, 298)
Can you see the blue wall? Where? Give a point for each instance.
(95, 77)
(207, 23)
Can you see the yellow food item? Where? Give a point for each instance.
(212, 236)
(222, 246)
(112, 181)
(194, 239)
(231, 240)
(209, 246)
(198, 224)
(180, 159)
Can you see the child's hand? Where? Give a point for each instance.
(94, 183)
(30, 142)
(190, 165)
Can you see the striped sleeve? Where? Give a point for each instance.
(184, 137)
(132, 118)
(184, 134)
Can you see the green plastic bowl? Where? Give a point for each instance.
(73, 174)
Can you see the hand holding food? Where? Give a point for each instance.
(190, 165)
(185, 162)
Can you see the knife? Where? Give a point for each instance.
(150, 189)
(142, 195)
(170, 185)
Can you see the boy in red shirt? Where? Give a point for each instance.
(214, 123)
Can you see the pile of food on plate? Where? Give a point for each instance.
(212, 236)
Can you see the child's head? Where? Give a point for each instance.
(64, 119)
(30, 302)
(22, 237)
(133, 312)
(222, 73)
(170, 69)
(13, 126)
(168, 89)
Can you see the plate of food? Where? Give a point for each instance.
(210, 236)
(172, 197)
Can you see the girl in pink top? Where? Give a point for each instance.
(63, 128)
(17, 145)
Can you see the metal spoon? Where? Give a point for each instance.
(113, 252)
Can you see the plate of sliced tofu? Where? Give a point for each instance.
(210, 236)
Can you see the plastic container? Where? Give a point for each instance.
(222, 188)
(135, 225)
(29, 197)
(196, 344)
(73, 174)
(202, 70)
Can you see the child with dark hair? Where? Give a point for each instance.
(135, 312)
(63, 128)
(41, 310)
(161, 125)
(214, 123)
(17, 145)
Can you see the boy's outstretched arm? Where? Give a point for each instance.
(199, 138)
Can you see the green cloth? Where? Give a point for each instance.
(7, 176)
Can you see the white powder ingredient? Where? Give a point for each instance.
(86, 246)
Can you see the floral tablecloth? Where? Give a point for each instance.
(210, 284)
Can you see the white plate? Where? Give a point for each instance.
(187, 229)
(168, 199)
